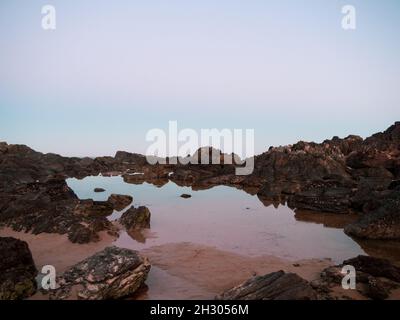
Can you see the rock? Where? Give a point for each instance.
(93, 208)
(323, 196)
(82, 234)
(51, 206)
(395, 184)
(375, 277)
(17, 270)
(376, 289)
(274, 286)
(186, 196)
(120, 202)
(99, 190)
(113, 273)
(382, 222)
(336, 175)
(376, 267)
(136, 218)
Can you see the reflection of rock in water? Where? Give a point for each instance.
(137, 235)
(141, 178)
(381, 249)
(329, 220)
(276, 201)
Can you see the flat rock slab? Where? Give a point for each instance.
(109, 274)
(274, 286)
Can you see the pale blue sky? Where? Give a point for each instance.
(115, 69)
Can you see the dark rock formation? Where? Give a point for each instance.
(382, 221)
(17, 270)
(110, 274)
(325, 196)
(274, 286)
(119, 202)
(375, 277)
(136, 218)
(90, 208)
(51, 207)
(375, 267)
(337, 175)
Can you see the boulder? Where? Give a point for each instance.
(113, 273)
(17, 270)
(136, 218)
(274, 286)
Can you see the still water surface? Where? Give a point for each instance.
(225, 218)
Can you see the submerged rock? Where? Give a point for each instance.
(110, 274)
(119, 202)
(185, 196)
(17, 270)
(274, 286)
(136, 218)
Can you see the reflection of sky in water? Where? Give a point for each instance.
(223, 217)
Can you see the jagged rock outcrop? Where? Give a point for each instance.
(337, 175)
(113, 273)
(17, 270)
(52, 207)
(274, 286)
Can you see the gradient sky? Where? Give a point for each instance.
(115, 69)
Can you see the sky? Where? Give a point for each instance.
(113, 70)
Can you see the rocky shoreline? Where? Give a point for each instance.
(339, 176)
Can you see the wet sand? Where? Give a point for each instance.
(215, 271)
(57, 250)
